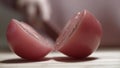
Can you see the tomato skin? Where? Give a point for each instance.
(78, 42)
(24, 44)
(84, 40)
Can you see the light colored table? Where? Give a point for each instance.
(99, 59)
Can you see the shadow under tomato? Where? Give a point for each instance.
(68, 59)
(58, 59)
(19, 60)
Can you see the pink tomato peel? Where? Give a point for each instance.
(81, 36)
(26, 42)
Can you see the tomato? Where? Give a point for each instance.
(26, 42)
(81, 36)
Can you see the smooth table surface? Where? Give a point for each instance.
(99, 59)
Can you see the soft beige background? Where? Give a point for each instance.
(108, 12)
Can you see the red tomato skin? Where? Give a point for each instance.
(25, 45)
(85, 39)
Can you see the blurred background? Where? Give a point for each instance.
(50, 16)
